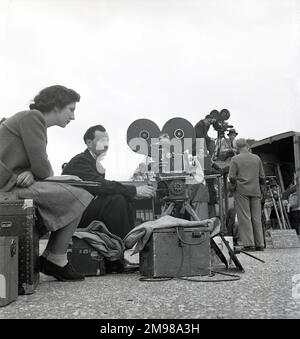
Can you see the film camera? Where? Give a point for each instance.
(168, 151)
(220, 124)
(222, 152)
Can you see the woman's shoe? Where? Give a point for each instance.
(66, 273)
(41, 263)
(259, 248)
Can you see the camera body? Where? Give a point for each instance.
(221, 127)
(168, 150)
(172, 187)
(219, 121)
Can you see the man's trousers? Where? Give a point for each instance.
(114, 210)
(248, 211)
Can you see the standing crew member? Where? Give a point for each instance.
(246, 174)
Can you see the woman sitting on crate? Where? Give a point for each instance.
(24, 164)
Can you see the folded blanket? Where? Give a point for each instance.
(141, 234)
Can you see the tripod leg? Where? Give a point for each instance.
(277, 215)
(252, 256)
(287, 218)
(232, 254)
(218, 252)
(284, 214)
(225, 193)
(275, 207)
(168, 210)
(281, 213)
(191, 211)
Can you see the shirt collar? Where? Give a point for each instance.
(93, 155)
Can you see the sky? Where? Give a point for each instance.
(153, 59)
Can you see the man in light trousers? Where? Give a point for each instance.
(246, 174)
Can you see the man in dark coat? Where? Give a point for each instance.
(201, 130)
(113, 203)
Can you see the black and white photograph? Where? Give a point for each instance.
(149, 162)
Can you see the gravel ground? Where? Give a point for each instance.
(264, 291)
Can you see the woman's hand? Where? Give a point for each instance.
(25, 179)
(64, 177)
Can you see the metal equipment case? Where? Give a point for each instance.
(17, 218)
(8, 270)
(175, 252)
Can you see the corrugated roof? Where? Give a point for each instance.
(273, 138)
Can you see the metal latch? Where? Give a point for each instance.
(196, 234)
(13, 248)
(6, 224)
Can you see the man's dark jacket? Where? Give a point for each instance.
(83, 165)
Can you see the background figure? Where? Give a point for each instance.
(202, 128)
(232, 134)
(228, 145)
(140, 173)
(246, 174)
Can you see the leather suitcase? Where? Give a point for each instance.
(17, 218)
(8, 270)
(176, 252)
(85, 259)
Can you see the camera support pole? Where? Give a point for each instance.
(168, 210)
(275, 207)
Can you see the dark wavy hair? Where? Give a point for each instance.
(54, 96)
(90, 133)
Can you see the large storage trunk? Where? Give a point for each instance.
(176, 252)
(8, 270)
(17, 218)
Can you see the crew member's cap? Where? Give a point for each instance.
(232, 131)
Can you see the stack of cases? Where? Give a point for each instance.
(17, 218)
(8, 270)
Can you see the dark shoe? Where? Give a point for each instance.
(259, 248)
(41, 263)
(248, 249)
(66, 273)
